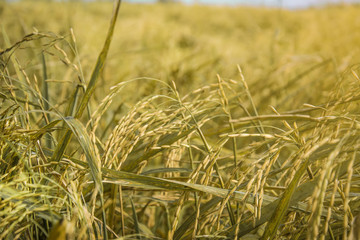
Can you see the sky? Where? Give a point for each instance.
(292, 4)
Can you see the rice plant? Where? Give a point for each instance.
(95, 148)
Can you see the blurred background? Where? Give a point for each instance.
(192, 42)
(291, 4)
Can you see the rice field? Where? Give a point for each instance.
(167, 121)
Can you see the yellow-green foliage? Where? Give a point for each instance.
(206, 122)
(192, 44)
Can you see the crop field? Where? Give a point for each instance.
(168, 121)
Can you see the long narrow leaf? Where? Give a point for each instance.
(94, 163)
(60, 149)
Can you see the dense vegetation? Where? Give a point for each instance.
(198, 122)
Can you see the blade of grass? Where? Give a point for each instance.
(62, 145)
(99, 64)
(111, 209)
(93, 162)
(282, 207)
(135, 218)
(122, 211)
(60, 149)
(45, 87)
(44, 129)
(154, 183)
